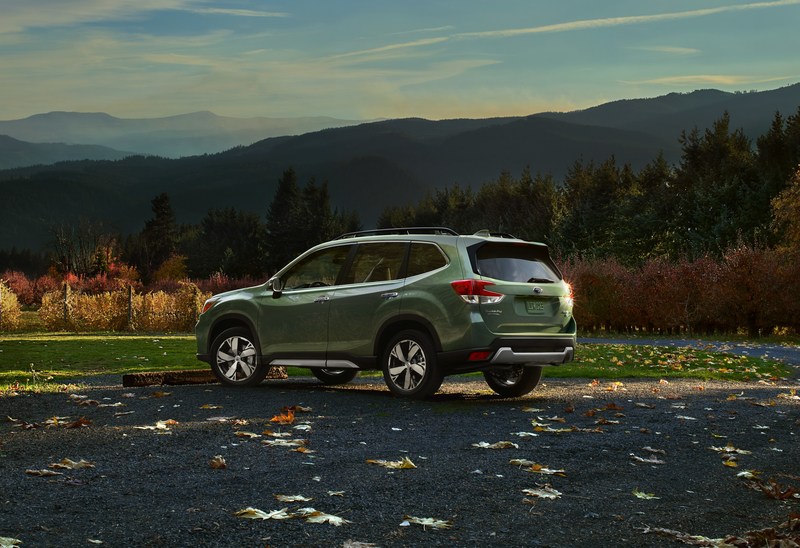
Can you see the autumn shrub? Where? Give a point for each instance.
(598, 285)
(9, 308)
(219, 283)
(123, 310)
(22, 287)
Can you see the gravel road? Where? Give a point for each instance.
(152, 485)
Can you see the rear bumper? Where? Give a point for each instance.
(508, 356)
(533, 351)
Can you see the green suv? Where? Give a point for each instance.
(416, 303)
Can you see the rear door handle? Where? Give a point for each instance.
(390, 295)
(322, 299)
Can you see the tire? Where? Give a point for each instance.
(513, 381)
(334, 376)
(235, 359)
(409, 365)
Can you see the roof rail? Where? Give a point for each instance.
(401, 230)
(486, 232)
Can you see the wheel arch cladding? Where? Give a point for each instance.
(403, 323)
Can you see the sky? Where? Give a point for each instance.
(369, 59)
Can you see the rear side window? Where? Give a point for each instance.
(515, 263)
(424, 258)
(378, 262)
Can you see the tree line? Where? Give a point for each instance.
(723, 193)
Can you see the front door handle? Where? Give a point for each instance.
(322, 299)
(390, 295)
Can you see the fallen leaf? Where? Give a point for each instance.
(433, 523)
(522, 462)
(67, 464)
(43, 473)
(243, 434)
(335, 493)
(8, 542)
(160, 394)
(292, 498)
(321, 517)
(284, 418)
(402, 464)
(210, 406)
(255, 513)
(496, 445)
(524, 434)
(544, 492)
(283, 443)
(541, 469)
(642, 495)
(650, 460)
(218, 463)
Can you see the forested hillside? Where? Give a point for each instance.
(373, 166)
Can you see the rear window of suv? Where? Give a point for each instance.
(514, 262)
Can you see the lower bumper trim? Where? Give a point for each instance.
(506, 355)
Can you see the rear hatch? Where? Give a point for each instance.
(531, 295)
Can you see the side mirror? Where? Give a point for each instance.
(277, 287)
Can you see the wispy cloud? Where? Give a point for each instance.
(393, 47)
(711, 79)
(586, 24)
(670, 50)
(238, 12)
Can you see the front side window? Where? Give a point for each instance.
(516, 263)
(377, 262)
(319, 269)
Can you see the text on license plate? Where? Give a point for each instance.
(534, 307)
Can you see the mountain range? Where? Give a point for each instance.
(368, 166)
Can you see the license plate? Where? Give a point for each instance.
(534, 307)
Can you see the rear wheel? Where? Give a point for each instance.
(409, 365)
(235, 359)
(335, 376)
(514, 380)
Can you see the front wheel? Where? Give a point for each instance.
(335, 376)
(235, 359)
(513, 381)
(409, 365)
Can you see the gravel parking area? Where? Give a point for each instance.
(597, 444)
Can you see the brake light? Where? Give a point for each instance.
(571, 296)
(475, 292)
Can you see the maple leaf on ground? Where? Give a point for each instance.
(56, 421)
(433, 523)
(43, 473)
(297, 409)
(537, 468)
(773, 489)
(218, 463)
(686, 538)
(243, 434)
(651, 460)
(292, 498)
(8, 542)
(80, 423)
(283, 443)
(322, 517)
(543, 492)
(160, 394)
(68, 464)
(642, 495)
(284, 418)
(358, 544)
(402, 464)
(496, 445)
(255, 513)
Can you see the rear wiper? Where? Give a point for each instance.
(540, 281)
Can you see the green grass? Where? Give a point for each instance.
(44, 361)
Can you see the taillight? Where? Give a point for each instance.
(571, 297)
(475, 292)
(208, 304)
